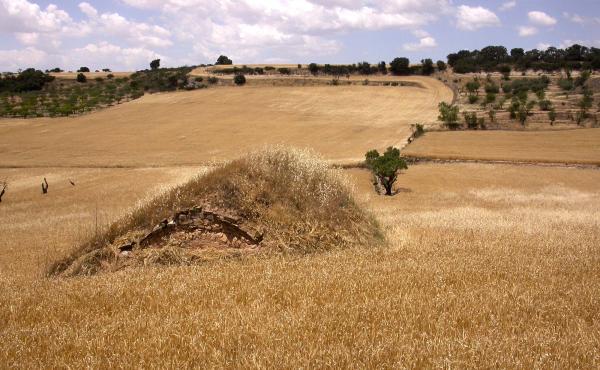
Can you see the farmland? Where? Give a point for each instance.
(203, 126)
(484, 264)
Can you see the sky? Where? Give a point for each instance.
(126, 35)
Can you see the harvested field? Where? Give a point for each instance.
(487, 265)
(198, 127)
(579, 146)
(35, 228)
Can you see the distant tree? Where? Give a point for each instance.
(448, 114)
(239, 79)
(313, 68)
(552, 116)
(155, 64)
(382, 68)
(427, 67)
(81, 78)
(473, 87)
(110, 76)
(83, 69)
(299, 66)
(517, 54)
(364, 68)
(284, 71)
(470, 120)
(385, 167)
(441, 66)
(106, 70)
(400, 66)
(223, 60)
(56, 70)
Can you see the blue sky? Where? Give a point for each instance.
(127, 34)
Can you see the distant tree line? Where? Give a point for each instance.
(28, 80)
(498, 58)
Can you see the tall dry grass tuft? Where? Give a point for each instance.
(291, 196)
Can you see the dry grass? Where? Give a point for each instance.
(34, 229)
(289, 196)
(191, 128)
(490, 266)
(564, 146)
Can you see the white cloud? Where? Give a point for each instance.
(424, 43)
(541, 18)
(589, 43)
(23, 16)
(507, 5)
(543, 46)
(12, 60)
(105, 54)
(472, 18)
(527, 31)
(88, 9)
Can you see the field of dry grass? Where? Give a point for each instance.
(193, 128)
(487, 266)
(579, 146)
(89, 75)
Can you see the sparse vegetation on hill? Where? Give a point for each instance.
(290, 199)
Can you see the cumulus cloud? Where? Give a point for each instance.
(472, 18)
(543, 46)
(508, 5)
(541, 19)
(12, 60)
(527, 31)
(107, 54)
(427, 42)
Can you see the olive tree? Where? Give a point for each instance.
(385, 167)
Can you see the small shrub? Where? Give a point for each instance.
(365, 82)
(239, 79)
(473, 99)
(545, 105)
(81, 78)
(198, 79)
(470, 120)
(212, 80)
(284, 71)
(552, 116)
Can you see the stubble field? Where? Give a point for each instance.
(576, 146)
(199, 127)
(487, 265)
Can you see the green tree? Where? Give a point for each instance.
(400, 66)
(427, 67)
(448, 114)
(441, 66)
(81, 78)
(155, 64)
(382, 68)
(223, 60)
(385, 167)
(313, 68)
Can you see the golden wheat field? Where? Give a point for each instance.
(199, 127)
(487, 265)
(579, 146)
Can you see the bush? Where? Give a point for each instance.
(473, 99)
(427, 67)
(441, 66)
(552, 116)
(198, 79)
(313, 68)
(81, 78)
(284, 71)
(83, 69)
(110, 76)
(212, 80)
(239, 79)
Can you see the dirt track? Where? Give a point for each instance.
(340, 122)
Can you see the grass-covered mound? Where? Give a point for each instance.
(276, 200)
